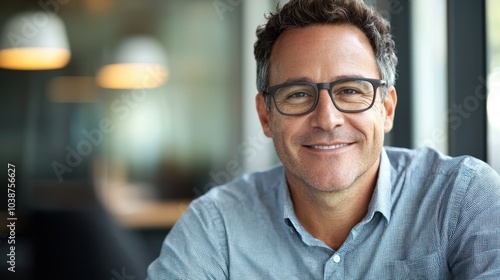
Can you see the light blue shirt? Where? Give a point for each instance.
(430, 217)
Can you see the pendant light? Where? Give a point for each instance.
(34, 41)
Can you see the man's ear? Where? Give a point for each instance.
(263, 112)
(390, 102)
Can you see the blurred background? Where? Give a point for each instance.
(126, 110)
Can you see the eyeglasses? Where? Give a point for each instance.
(351, 95)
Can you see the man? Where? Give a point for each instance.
(341, 206)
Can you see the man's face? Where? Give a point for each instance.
(326, 149)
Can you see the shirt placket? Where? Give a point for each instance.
(334, 267)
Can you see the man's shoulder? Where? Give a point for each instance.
(430, 161)
(435, 172)
(252, 189)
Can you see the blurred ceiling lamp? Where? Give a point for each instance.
(34, 41)
(138, 62)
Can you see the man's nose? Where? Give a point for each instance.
(326, 116)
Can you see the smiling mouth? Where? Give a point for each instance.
(329, 147)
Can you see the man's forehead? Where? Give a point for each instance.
(302, 50)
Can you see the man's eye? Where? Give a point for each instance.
(297, 95)
(349, 91)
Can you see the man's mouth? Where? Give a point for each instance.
(328, 147)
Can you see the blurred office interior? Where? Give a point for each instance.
(105, 166)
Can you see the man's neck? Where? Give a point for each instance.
(330, 216)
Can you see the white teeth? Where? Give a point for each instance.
(332, 147)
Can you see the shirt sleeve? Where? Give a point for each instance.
(195, 248)
(475, 245)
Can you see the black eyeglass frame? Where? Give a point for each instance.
(376, 83)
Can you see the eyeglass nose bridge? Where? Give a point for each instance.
(328, 87)
(324, 86)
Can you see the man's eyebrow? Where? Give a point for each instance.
(341, 77)
(299, 79)
(309, 80)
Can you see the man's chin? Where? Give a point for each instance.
(327, 184)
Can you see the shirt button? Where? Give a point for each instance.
(336, 258)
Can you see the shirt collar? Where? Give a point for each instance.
(291, 220)
(287, 206)
(381, 198)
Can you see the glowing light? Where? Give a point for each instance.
(34, 41)
(72, 89)
(34, 58)
(137, 62)
(132, 75)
